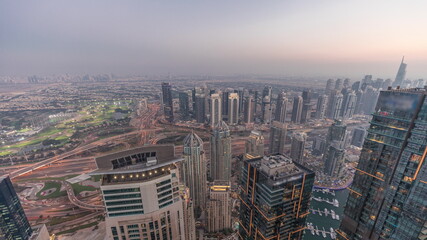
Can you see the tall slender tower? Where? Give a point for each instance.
(254, 146)
(249, 109)
(220, 164)
(219, 207)
(233, 108)
(194, 169)
(266, 104)
(13, 222)
(184, 105)
(278, 132)
(322, 103)
(275, 197)
(306, 106)
(388, 195)
(167, 101)
(401, 73)
(298, 146)
(281, 108)
(297, 109)
(216, 111)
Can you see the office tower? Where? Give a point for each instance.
(266, 92)
(339, 84)
(378, 83)
(369, 100)
(358, 136)
(366, 81)
(281, 107)
(216, 111)
(256, 98)
(359, 102)
(184, 105)
(306, 107)
(140, 189)
(319, 145)
(298, 146)
(297, 109)
(224, 107)
(249, 109)
(336, 132)
(330, 85)
(335, 104)
(275, 196)
(219, 207)
(167, 101)
(322, 103)
(233, 109)
(189, 218)
(278, 132)
(347, 83)
(240, 93)
(388, 195)
(220, 164)
(401, 73)
(254, 145)
(266, 110)
(356, 86)
(194, 169)
(333, 158)
(13, 222)
(199, 110)
(348, 105)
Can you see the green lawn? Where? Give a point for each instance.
(80, 188)
(56, 193)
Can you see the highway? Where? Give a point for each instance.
(73, 199)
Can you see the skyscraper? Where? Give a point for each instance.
(333, 158)
(281, 107)
(199, 108)
(219, 207)
(278, 132)
(388, 195)
(220, 163)
(140, 189)
(194, 169)
(358, 136)
(335, 105)
(266, 104)
(254, 146)
(167, 101)
(275, 197)
(216, 111)
(306, 106)
(348, 105)
(233, 108)
(339, 84)
(225, 95)
(13, 222)
(297, 109)
(298, 146)
(249, 109)
(330, 85)
(184, 105)
(401, 73)
(336, 132)
(322, 103)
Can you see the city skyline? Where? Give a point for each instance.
(304, 38)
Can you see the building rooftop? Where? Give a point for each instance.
(278, 168)
(136, 160)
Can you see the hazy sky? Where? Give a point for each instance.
(309, 38)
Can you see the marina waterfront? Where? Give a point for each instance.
(326, 212)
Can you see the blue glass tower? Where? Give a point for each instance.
(13, 222)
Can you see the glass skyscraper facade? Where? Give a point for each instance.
(388, 197)
(13, 222)
(275, 196)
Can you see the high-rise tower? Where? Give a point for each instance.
(306, 106)
(13, 222)
(249, 109)
(297, 109)
(298, 146)
(401, 73)
(167, 101)
(254, 146)
(275, 197)
(216, 111)
(194, 169)
(388, 195)
(219, 207)
(233, 108)
(220, 163)
(278, 132)
(322, 103)
(140, 189)
(184, 105)
(281, 107)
